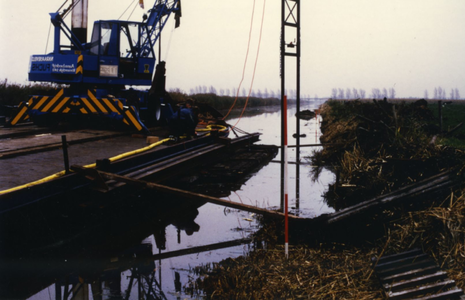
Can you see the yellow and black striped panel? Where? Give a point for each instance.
(80, 65)
(48, 104)
(60, 104)
(130, 116)
(55, 104)
(21, 115)
(107, 106)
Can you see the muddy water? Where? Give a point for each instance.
(215, 224)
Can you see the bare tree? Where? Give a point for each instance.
(348, 93)
(272, 94)
(392, 93)
(385, 93)
(293, 94)
(452, 94)
(212, 90)
(334, 93)
(426, 94)
(341, 94)
(457, 94)
(376, 93)
(440, 93)
(266, 93)
(362, 93)
(221, 92)
(244, 92)
(355, 93)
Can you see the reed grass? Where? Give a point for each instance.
(376, 148)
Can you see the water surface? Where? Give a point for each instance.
(215, 224)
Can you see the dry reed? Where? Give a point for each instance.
(376, 148)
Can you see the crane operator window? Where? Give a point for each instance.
(101, 38)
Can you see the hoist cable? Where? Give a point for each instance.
(126, 10)
(132, 11)
(48, 37)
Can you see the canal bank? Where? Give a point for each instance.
(341, 266)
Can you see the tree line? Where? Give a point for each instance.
(243, 92)
(353, 93)
(440, 93)
(377, 93)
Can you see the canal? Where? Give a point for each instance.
(210, 224)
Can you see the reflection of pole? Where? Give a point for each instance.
(286, 197)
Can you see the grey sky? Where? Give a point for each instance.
(411, 45)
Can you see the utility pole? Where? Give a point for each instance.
(289, 47)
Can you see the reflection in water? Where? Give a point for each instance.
(96, 257)
(112, 254)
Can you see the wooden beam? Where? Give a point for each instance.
(204, 248)
(181, 193)
(427, 186)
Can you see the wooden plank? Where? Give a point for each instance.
(429, 185)
(182, 193)
(400, 261)
(454, 293)
(423, 290)
(415, 282)
(410, 274)
(404, 268)
(415, 251)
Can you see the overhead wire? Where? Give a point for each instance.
(255, 66)
(245, 62)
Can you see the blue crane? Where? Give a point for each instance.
(96, 73)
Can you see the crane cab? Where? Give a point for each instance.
(117, 54)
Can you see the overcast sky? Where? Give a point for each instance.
(409, 45)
